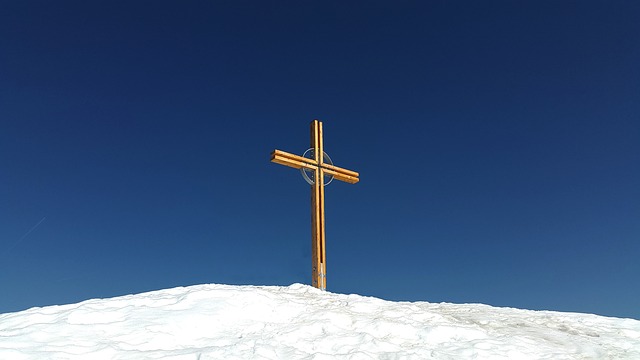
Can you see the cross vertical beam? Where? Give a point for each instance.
(318, 250)
(320, 169)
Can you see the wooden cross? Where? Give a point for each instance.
(318, 165)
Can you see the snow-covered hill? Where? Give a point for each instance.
(300, 322)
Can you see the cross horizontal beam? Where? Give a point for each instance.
(298, 162)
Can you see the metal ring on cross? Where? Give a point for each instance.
(309, 174)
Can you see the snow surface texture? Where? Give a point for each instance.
(299, 322)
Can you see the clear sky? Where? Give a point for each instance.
(498, 145)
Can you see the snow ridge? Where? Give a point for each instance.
(300, 322)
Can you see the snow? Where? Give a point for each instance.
(300, 322)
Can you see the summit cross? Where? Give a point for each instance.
(315, 165)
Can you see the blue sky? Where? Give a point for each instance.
(498, 145)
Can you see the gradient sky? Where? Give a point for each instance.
(498, 144)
